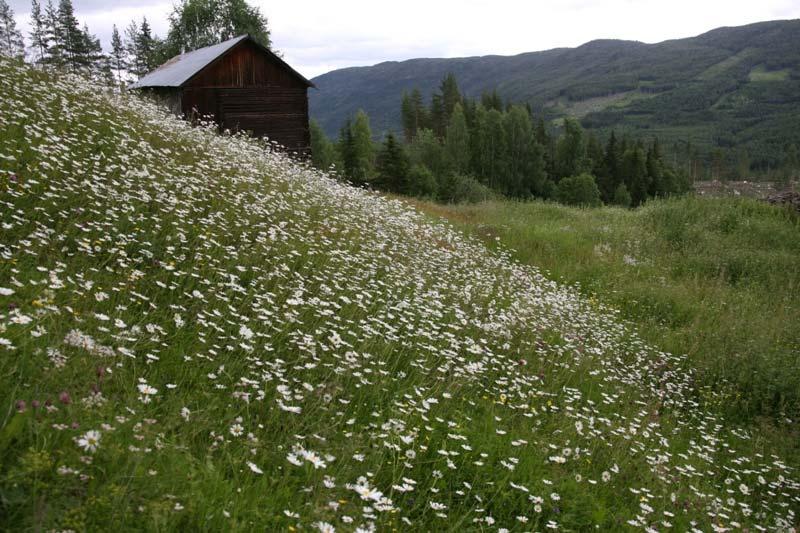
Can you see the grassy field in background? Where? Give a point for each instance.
(716, 279)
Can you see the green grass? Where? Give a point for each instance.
(715, 279)
(760, 73)
(197, 334)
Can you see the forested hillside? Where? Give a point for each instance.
(730, 95)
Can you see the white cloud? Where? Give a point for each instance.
(317, 36)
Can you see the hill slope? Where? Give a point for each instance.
(730, 86)
(196, 334)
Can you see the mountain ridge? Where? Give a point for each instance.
(702, 89)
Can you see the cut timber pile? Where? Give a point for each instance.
(788, 198)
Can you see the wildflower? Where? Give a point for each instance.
(236, 430)
(6, 292)
(245, 332)
(90, 441)
(255, 469)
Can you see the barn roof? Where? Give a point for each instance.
(181, 68)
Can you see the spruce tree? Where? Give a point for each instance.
(135, 62)
(451, 96)
(54, 54)
(38, 33)
(119, 58)
(145, 45)
(11, 42)
(421, 112)
(392, 166)
(72, 40)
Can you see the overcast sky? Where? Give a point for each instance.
(316, 36)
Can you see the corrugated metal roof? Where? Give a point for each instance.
(182, 68)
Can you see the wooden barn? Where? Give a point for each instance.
(243, 85)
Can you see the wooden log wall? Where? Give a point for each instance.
(246, 90)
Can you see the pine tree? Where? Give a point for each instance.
(92, 56)
(145, 47)
(451, 96)
(119, 58)
(11, 42)
(69, 35)
(392, 167)
(456, 143)
(38, 33)
(135, 62)
(54, 54)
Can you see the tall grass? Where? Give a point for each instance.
(716, 279)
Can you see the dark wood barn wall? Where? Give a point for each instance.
(247, 90)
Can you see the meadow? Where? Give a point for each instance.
(198, 334)
(713, 278)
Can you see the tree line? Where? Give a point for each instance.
(57, 39)
(456, 148)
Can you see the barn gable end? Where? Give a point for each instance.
(243, 86)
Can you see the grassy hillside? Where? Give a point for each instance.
(729, 87)
(197, 334)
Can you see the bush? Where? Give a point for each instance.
(578, 190)
(457, 189)
(622, 197)
(421, 182)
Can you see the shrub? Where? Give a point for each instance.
(421, 182)
(578, 190)
(621, 196)
(457, 188)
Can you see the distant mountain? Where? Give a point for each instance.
(729, 87)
